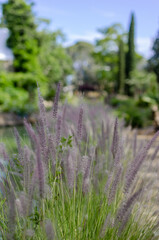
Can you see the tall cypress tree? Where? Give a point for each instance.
(130, 56)
(19, 19)
(121, 75)
(153, 62)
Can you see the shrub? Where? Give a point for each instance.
(135, 112)
(18, 91)
(76, 180)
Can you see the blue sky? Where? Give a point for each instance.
(80, 20)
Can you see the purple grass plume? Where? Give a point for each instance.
(3, 153)
(18, 141)
(22, 204)
(125, 220)
(11, 214)
(40, 127)
(71, 169)
(155, 153)
(135, 143)
(56, 100)
(42, 110)
(49, 230)
(80, 123)
(126, 205)
(51, 151)
(58, 129)
(86, 176)
(79, 169)
(136, 164)
(114, 185)
(115, 142)
(30, 233)
(108, 183)
(30, 132)
(105, 225)
(119, 154)
(27, 168)
(40, 170)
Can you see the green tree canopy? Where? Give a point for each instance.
(130, 56)
(106, 55)
(131, 48)
(38, 55)
(19, 19)
(55, 63)
(121, 73)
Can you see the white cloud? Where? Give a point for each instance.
(144, 46)
(103, 13)
(88, 37)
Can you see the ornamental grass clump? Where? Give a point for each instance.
(78, 178)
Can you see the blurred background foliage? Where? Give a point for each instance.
(111, 66)
(39, 58)
(84, 64)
